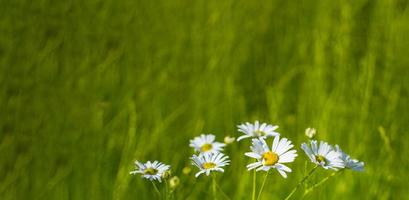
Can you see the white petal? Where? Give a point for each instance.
(198, 173)
(282, 144)
(287, 157)
(275, 143)
(243, 137)
(314, 147)
(307, 151)
(253, 165)
(253, 155)
(283, 167)
(283, 174)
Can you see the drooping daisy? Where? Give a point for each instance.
(267, 158)
(151, 170)
(210, 162)
(350, 163)
(323, 155)
(206, 144)
(257, 130)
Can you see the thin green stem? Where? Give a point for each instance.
(220, 189)
(192, 189)
(301, 182)
(310, 189)
(253, 196)
(156, 189)
(214, 187)
(166, 190)
(262, 185)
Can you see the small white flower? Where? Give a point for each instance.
(324, 155)
(151, 170)
(257, 130)
(210, 162)
(206, 144)
(350, 163)
(310, 132)
(229, 140)
(266, 159)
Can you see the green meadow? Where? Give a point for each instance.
(88, 87)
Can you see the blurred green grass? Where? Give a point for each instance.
(87, 87)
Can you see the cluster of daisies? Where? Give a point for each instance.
(209, 157)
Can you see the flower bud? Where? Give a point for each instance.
(186, 170)
(174, 182)
(166, 174)
(310, 132)
(229, 140)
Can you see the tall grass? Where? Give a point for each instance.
(87, 87)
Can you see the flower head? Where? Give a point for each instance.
(350, 163)
(151, 170)
(257, 130)
(323, 155)
(210, 162)
(267, 158)
(206, 144)
(310, 132)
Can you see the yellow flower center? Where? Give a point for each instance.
(269, 158)
(208, 165)
(206, 147)
(259, 133)
(320, 158)
(150, 171)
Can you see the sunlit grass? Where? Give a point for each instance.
(88, 87)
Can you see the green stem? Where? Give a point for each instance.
(224, 194)
(310, 189)
(192, 189)
(166, 190)
(253, 196)
(262, 185)
(214, 187)
(156, 189)
(301, 182)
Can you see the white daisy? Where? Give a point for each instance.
(350, 163)
(206, 144)
(210, 162)
(266, 159)
(257, 130)
(324, 155)
(151, 170)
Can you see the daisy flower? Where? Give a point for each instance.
(323, 155)
(267, 158)
(257, 130)
(210, 162)
(151, 170)
(350, 163)
(206, 144)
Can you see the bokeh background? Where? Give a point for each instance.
(88, 87)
